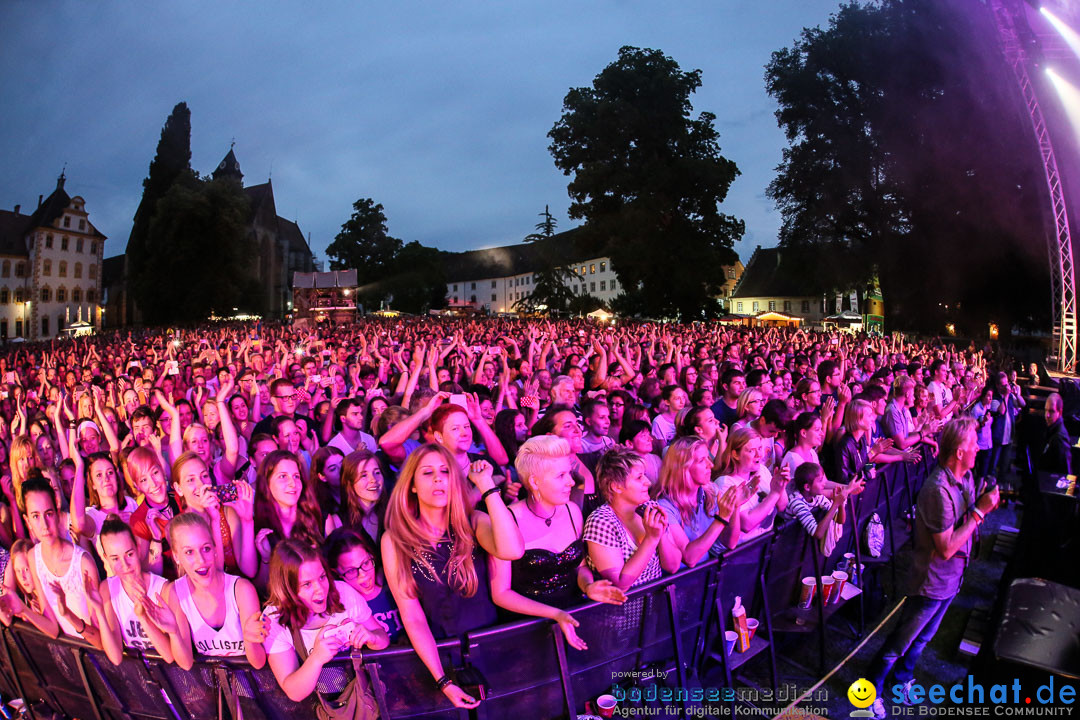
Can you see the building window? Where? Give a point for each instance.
(613, 286)
(45, 320)
(78, 270)
(91, 296)
(473, 288)
(82, 224)
(92, 272)
(738, 307)
(592, 268)
(63, 268)
(46, 294)
(603, 285)
(20, 269)
(582, 271)
(63, 243)
(48, 241)
(3, 328)
(61, 295)
(755, 306)
(787, 306)
(455, 289)
(772, 306)
(473, 298)
(76, 295)
(455, 300)
(806, 306)
(19, 297)
(18, 328)
(67, 221)
(493, 298)
(528, 280)
(78, 245)
(46, 268)
(93, 247)
(493, 285)
(592, 287)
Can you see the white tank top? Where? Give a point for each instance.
(227, 641)
(72, 583)
(130, 628)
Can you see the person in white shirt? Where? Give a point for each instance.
(765, 494)
(352, 437)
(596, 415)
(673, 399)
(326, 616)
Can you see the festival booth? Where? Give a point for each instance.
(324, 297)
(848, 321)
(772, 318)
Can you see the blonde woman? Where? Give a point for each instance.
(552, 574)
(435, 552)
(751, 402)
(697, 518)
(762, 494)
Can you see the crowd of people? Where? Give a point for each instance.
(285, 494)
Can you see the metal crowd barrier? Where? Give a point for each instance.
(671, 624)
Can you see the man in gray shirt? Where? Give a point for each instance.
(947, 516)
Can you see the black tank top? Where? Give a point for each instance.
(549, 577)
(448, 613)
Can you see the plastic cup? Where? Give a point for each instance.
(827, 587)
(849, 562)
(806, 595)
(840, 578)
(752, 626)
(730, 638)
(605, 705)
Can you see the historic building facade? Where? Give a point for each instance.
(50, 268)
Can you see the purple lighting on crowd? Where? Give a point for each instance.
(1070, 98)
(1067, 32)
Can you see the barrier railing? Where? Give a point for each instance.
(669, 625)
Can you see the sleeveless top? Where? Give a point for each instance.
(130, 628)
(448, 613)
(549, 577)
(226, 641)
(71, 582)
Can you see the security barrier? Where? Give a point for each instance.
(670, 625)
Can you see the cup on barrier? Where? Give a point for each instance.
(605, 705)
(849, 562)
(827, 587)
(730, 638)
(806, 593)
(752, 626)
(840, 579)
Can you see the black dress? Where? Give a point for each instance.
(450, 614)
(549, 577)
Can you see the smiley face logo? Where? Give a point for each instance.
(862, 693)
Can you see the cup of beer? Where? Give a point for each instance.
(827, 586)
(840, 579)
(806, 594)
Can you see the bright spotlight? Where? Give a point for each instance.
(1070, 35)
(1070, 98)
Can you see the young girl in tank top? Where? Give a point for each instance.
(325, 615)
(60, 569)
(136, 616)
(215, 612)
(19, 599)
(107, 496)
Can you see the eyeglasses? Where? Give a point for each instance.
(352, 573)
(290, 396)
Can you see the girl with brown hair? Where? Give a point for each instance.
(285, 507)
(363, 496)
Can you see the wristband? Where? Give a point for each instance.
(489, 491)
(720, 520)
(443, 682)
(83, 628)
(979, 513)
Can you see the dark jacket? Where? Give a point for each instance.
(1056, 454)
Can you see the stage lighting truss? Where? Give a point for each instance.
(1062, 276)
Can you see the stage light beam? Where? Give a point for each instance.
(1070, 98)
(1070, 35)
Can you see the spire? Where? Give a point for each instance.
(60, 180)
(229, 167)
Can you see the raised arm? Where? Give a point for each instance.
(393, 441)
(231, 458)
(496, 531)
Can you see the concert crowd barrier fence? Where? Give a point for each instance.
(673, 624)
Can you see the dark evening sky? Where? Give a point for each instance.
(439, 111)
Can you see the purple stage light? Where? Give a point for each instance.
(1070, 98)
(1070, 35)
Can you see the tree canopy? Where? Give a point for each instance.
(365, 244)
(549, 289)
(909, 159)
(648, 180)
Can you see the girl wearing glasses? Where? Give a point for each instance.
(352, 556)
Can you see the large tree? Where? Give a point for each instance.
(550, 291)
(365, 244)
(203, 252)
(419, 282)
(171, 162)
(910, 159)
(649, 179)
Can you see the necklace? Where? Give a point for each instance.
(547, 520)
